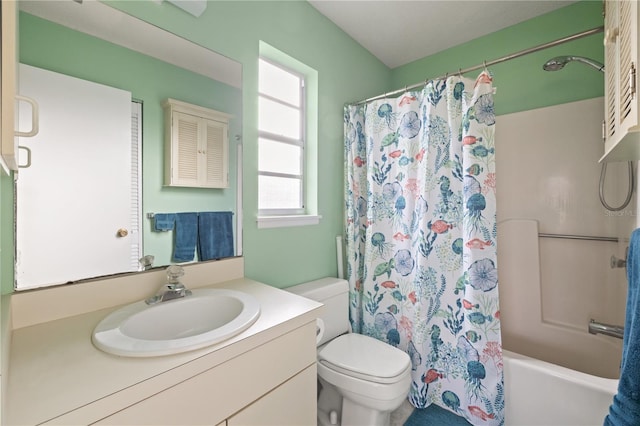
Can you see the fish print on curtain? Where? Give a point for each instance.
(421, 240)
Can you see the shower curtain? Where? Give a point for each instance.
(421, 239)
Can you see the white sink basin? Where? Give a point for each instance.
(206, 317)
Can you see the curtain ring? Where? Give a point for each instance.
(484, 63)
(460, 72)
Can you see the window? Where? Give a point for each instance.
(281, 140)
(287, 141)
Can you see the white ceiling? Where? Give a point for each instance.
(398, 32)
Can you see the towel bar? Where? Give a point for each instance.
(152, 215)
(578, 237)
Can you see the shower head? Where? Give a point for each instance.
(557, 63)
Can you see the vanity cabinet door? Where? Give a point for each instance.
(282, 370)
(290, 404)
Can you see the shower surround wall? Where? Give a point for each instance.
(548, 172)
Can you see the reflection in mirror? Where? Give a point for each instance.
(140, 66)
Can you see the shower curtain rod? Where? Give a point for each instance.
(489, 63)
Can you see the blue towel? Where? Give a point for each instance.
(215, 235)
(625, 410)
(186, 236)
(164, 221)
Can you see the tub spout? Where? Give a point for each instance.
(607, 329)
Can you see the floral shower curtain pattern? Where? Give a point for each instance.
(421, 240)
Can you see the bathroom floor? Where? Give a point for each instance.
(401, 414)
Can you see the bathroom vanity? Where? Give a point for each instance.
(264, 375)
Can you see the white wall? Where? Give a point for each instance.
(547, 170)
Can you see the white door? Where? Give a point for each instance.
(76, 195)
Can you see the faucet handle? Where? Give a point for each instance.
(617, 263)
(174, 272)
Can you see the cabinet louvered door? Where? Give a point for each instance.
(216, 154)
(199, 151)
(627, 46)
(621, 130)
(611, 74)
(186, 142)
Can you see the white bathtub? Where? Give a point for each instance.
(544, 394)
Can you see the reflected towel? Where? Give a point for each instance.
(186, 236)
(164, 221)
(215, 235)
(625, 410)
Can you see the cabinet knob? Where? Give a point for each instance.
(122, 232)
(611, 35)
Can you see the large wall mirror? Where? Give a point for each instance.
(98, 70)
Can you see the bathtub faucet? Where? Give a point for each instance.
(607, 329)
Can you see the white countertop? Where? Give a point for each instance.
(55, 369)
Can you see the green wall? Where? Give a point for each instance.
(347, 72)
(283, 256)
(521, 83)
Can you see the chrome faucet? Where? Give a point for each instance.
(173, 289)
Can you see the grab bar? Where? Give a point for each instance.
(579, 237)
(606, 329)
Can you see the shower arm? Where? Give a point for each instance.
(486, 64)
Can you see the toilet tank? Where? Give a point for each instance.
(334, 294)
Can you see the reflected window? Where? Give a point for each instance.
(281, 142)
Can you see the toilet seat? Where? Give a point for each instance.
(366, 358)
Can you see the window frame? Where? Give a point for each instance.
(301, 142)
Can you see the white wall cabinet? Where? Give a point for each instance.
(621, 126)
(196, 146)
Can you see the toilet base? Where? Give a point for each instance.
(328, 400)
(349, 413)
(356, 415)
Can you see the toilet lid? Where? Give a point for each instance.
(360, 355)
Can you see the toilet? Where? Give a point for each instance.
(361, 379)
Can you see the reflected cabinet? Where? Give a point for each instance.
(196, 146)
